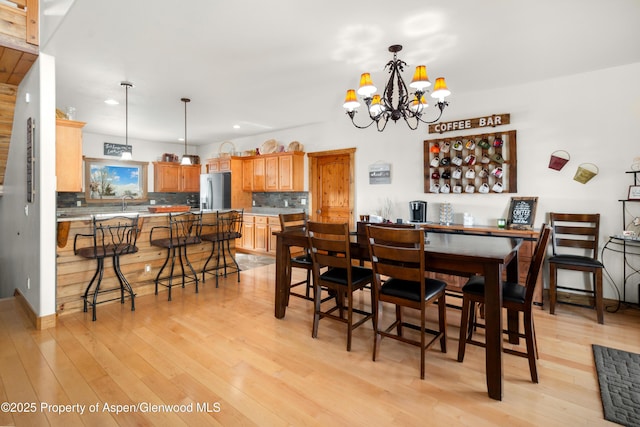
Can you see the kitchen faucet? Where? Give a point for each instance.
(124, 202)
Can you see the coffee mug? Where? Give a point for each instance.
(457, 160)
(485, 159)
(445, 189)
(497, 187)
(497, 157)
(484, 144)
(457, 145)
(435, 188)
(445, 161)
(445, 147)
(497, 172)
(435, 175)
(457, 188)
(435, 162)
(446, 175)
(470, 160)
(469, 188)
(435, 148)
(497, 142)
(484, 188)
(483, 173)
(470, 144)
(470, 174)
(457, 174)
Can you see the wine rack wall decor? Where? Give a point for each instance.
(472, 164)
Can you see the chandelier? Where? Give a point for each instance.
(396, 102)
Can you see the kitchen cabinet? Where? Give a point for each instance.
(173, 177)
(261, 237)
(274, 172)
(69, 155)
(257, 234)
(222, 164)
(274, 226)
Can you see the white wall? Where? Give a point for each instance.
(28, 230)
(572, 113)
(143, 150)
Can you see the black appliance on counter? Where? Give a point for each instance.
(418, 211)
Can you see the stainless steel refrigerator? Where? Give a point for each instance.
(215, 191)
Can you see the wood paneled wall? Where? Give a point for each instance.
(74, 273)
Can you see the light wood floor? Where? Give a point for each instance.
(225, 357)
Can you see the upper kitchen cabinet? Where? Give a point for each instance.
(221, 164)
(172, 177)
(69, 155)
(274, 172)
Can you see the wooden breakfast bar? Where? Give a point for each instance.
(461, 254)
(74, 273)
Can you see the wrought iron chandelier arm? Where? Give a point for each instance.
(441, 106)
(351, 115)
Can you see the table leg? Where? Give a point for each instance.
(493, 322)
(283, 276)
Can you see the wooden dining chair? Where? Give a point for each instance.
(397, 254)
(575, 247)
(515, 297)
(330, 247)
(298, 221)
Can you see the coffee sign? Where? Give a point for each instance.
(480, 122)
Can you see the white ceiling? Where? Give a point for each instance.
(269, 65)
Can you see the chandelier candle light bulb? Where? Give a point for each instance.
(396, 102)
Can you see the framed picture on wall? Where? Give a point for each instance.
(522, 213)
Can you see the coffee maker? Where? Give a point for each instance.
(418, 211)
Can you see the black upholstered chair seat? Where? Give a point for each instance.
(512, 292)
(577, 260)
(411, 290)
(359, 276)
(302, 259)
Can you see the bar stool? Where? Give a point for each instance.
(111, 237)
(298, 221)
(183, 231)
(228, 227)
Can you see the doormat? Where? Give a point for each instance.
(619, 378)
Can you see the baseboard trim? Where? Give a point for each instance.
(40, 323)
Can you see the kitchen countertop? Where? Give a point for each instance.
(86, 213)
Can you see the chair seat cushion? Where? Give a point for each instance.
(302, 259)
(171, 243)
(511, 291)
(578, 260)
(359, 276)
(106, 251)
(411, 290)
(212, 237)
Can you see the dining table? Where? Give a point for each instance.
(457, 254)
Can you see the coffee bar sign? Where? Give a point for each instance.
(480, 122)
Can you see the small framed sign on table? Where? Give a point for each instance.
(634, 192)
(522, 212)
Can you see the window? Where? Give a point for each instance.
(107, 180)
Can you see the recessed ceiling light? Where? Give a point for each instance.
(236, 126)
(181, 139)
(111, 101)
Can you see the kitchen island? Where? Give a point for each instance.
(74, 273)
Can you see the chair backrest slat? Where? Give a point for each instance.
(293, 221)
(397, 253)
(329, 244)
(577, 231)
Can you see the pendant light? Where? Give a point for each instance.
(186, 160)
(126, 154)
